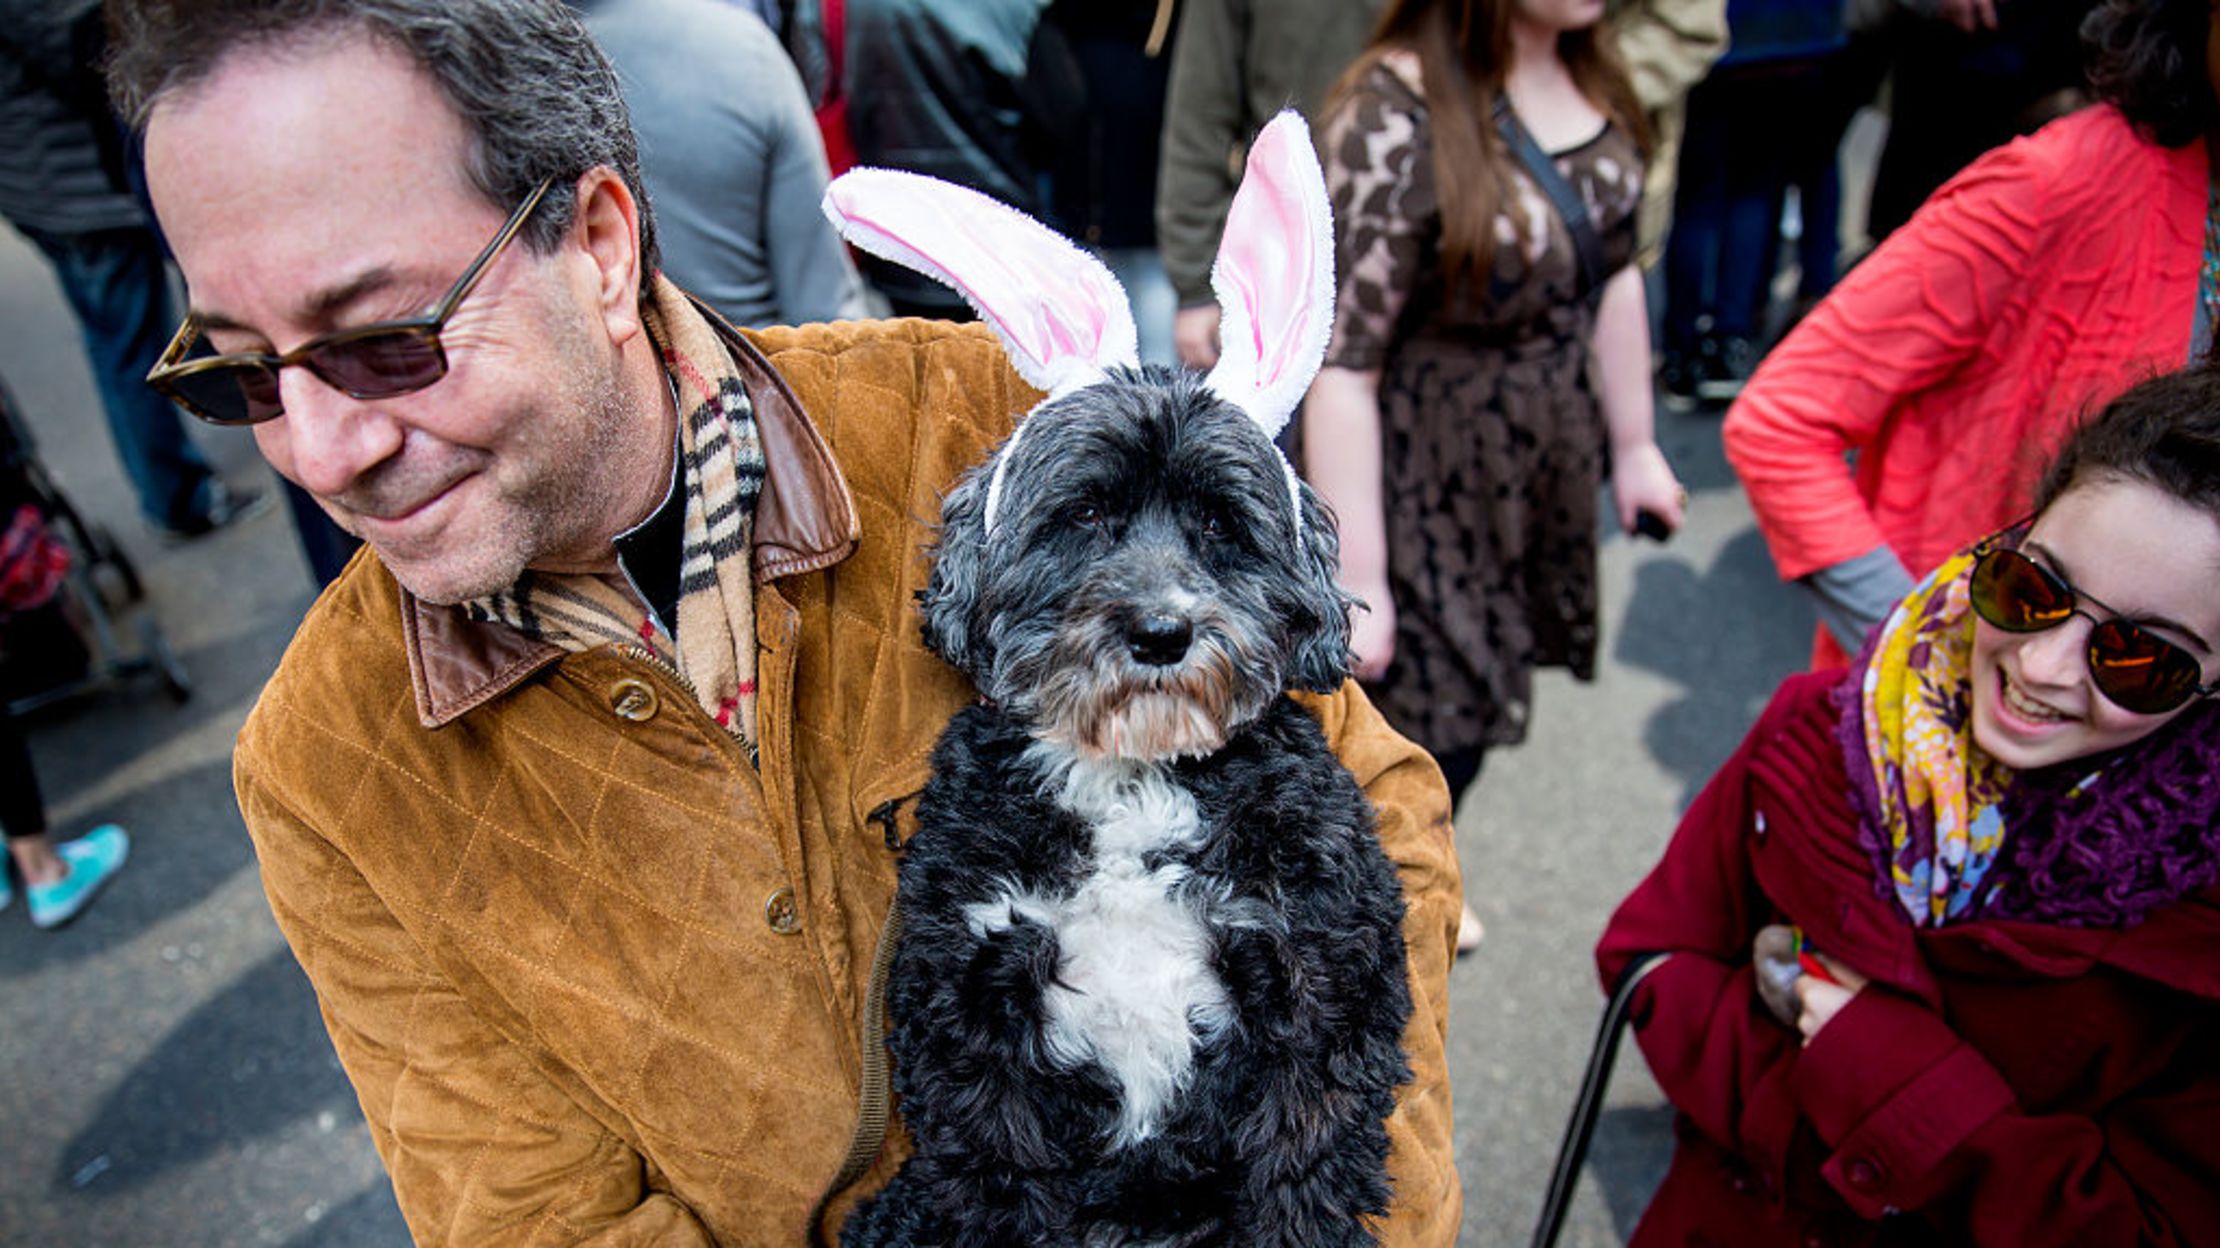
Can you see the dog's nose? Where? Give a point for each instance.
(1159, 640)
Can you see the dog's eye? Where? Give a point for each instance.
(1215, 526)
(1085, 516)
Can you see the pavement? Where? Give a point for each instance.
(165, 1079)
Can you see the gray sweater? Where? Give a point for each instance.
(732, 159)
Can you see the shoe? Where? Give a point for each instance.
(226, 507)
(1736, 359)
(1470, 931)
(1677, 377)
(93, 859)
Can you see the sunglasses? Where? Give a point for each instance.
(2135, 668)
(375, 361)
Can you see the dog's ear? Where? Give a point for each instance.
(1274, 277)
(1319, 659)
(949, 602)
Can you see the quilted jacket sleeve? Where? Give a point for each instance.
(1406, 788)
(1915, 312)
(482, 1148)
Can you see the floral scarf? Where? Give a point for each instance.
(2098, 842)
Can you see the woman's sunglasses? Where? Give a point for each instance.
(2134, 667)
(375, 361)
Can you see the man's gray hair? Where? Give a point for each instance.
(534, 92)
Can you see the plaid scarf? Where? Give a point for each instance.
(721, 462)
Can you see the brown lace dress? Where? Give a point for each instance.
(1492, 441)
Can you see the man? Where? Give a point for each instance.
(64, 185)
(575, 794)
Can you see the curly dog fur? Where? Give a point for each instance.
(1151, 988)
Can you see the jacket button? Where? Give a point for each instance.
(782, 914)
(633, 699)
(1864, 1175)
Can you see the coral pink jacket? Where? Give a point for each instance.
(1999, 1084)
(2034, 287)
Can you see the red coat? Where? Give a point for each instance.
(2015, 1084)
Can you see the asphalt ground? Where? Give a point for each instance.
(165, 1079)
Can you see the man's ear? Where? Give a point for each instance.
(605, 223)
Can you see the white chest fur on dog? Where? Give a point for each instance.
(1136, 991)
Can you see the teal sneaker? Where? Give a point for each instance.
(93, 859)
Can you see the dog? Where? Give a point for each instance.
(1151, 983)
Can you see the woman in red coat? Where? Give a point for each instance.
(1943, 937)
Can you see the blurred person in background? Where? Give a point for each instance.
(41, 639)
(958, 92)
(59, 878)
(2040, 282)
(1235, 65)
(65, 184)
(1964, 76)
(1103, 174)
(1489, 353)
(1762, 121)
(1667, 46)
(732, 157)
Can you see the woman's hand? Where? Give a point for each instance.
(1372, 631)
(1642, 481)
(1819, 1001)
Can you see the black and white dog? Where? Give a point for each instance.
(1151, 985)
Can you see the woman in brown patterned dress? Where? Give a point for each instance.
(1474, 390)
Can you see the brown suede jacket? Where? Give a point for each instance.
(598, 980)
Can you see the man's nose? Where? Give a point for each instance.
(326, 440)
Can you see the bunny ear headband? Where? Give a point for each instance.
(1064, 319)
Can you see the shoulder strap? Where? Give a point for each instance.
(1587, 244)
(872, 1094)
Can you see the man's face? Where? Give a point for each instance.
(312, 189)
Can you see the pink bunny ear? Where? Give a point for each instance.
(1274, 277)
(1061, 315)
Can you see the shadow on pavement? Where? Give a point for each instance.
(1729, 668)
(246, 1063)
(370, 1220)
(1627, 1160)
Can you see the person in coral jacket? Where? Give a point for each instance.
(1942, 940)
(2036, 285)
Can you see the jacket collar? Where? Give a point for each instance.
(805, 520)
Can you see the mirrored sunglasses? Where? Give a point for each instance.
(2136, 669)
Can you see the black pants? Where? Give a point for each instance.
(22, 807)
(1460, 768)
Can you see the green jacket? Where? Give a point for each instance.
(1235, 64)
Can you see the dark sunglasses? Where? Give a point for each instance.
(375, 361)
(2134, 667)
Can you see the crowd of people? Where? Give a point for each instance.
(599, 758)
